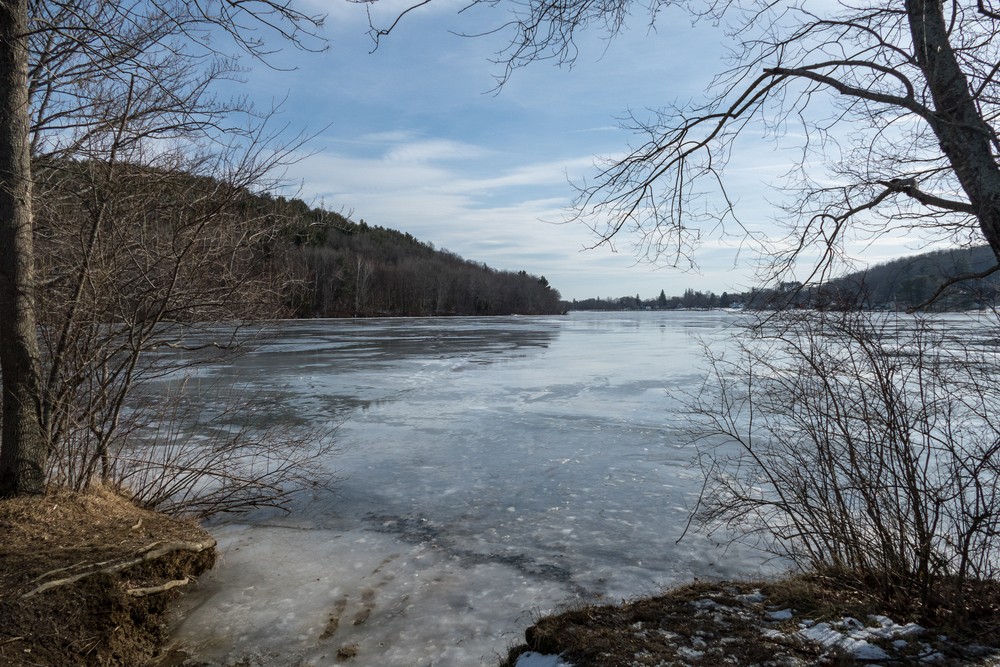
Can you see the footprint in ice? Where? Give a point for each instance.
(366, 601)
(334, 621)
(368, 604)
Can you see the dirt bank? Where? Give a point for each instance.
(85, 578)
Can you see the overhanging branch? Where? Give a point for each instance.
(808, 72)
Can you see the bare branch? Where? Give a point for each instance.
(808, 72)
(909, 187)
(979, 275)
(377, 33)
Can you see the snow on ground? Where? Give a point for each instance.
(788, 636)
(853, 637)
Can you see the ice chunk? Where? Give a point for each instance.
(753, 597)
(689, 653)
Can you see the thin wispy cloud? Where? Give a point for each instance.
(434, 150)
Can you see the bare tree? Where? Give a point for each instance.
(126, 86)
(896, 104)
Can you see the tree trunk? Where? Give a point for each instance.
(965, 138)
(23, 450)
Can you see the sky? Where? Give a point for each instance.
(414, 136)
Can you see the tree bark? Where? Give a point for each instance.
(23, 450)
(965, 138)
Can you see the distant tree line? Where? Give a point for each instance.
(690, 299)
(944, 280)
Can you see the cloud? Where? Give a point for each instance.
(389, 137)
(433, 150)
(496, 215)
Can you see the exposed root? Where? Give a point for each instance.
(149, 553)
(153, 590)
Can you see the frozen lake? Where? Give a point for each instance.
(491, 470)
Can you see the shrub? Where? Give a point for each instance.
(861, 443)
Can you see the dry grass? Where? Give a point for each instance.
(92, 621)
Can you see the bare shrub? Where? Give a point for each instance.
(182, 459)
(861, 443)
(190, 452)
(137, 259)
(142, 259)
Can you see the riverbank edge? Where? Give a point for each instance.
(87, 578)
(798, 620)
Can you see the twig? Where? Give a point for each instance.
(952, 281)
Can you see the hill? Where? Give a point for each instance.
(193, 247)
(911, 281)
(941, 280)
(343, 268)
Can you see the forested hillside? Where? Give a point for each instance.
(343, 268)
(956, 279)
(911, 281)
(200, 249)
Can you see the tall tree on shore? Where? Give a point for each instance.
(23, 451)
(124, 83)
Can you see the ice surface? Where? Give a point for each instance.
(298, 596)
(492, 470)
